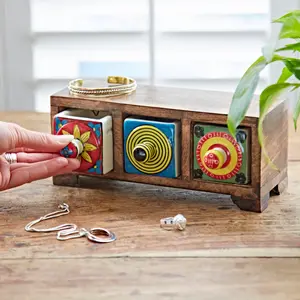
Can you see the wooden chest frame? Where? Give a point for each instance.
(189, 106)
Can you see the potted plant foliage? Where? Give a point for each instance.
(288, 81)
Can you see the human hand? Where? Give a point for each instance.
(37, 155)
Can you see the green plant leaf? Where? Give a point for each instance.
(285, 75)
(243, 94)
(267, 99)
(290, 47)
(296, 113)
(293, 14)
(293, 64)
(290, 29)
(269, 94)
(290, 25)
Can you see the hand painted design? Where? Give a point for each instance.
(59, 123)
(96, 168)
(83, 138)
(96, 128)
(66, 152)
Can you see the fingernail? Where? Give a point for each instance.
(64, 139)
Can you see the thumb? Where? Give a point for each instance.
(39, 141)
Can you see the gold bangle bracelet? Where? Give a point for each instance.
(120, 85)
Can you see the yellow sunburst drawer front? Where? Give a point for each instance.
(93, 139)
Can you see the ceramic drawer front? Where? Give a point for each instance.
(218, 157)
(152, 147)
(93, 139)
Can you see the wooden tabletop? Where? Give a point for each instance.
(224, 253)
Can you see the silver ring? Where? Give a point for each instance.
(11, 158)
(91, 235)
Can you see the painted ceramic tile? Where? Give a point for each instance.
(218, 156)
(97, 148)
(152, 147)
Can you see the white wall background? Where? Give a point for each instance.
(189, 43)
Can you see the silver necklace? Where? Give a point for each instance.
(69, 231)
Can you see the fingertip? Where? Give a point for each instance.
(73, 163)
(63, 139)
(62, 161)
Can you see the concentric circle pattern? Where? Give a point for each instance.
(210, 146)
(148, 149)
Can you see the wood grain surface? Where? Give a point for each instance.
(133, 211)
(275, 128)
(214, 102)
(148, 279)
(223, 251)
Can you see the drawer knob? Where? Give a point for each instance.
(144, 152)
(215, 158)
(73, 149)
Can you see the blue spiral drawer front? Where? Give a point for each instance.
(152, 147)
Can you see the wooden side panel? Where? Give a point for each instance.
(255, 160)
(118, 141)
(186, 148)
(275, 128)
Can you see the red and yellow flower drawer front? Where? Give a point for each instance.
(93, 139)
(218, 156)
